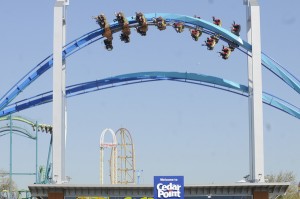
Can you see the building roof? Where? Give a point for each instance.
(235, 189)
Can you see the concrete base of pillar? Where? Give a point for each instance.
(260, 195)
(55, 195)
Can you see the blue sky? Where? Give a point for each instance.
(178, 129)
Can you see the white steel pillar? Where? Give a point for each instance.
(256, 145)
(59, 92)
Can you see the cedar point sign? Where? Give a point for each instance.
(171, 187)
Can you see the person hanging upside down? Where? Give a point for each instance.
(101, 20)
(123, 22)
(120, 18)
(179, 26)
(196, 33)
(140, 18)
(236, 28)
(143, 26)
(107, 33)
(210, 43)
(216, 37)
(160, 23)
(217, 22)
(226, 51)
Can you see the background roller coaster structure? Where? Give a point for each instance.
(122, 157)
(7, 107)
(15, 126)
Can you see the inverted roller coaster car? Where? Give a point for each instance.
(217, 22)
(236, 28)
(178, 26)
(143, 26)
(195, 33)
(140, 18)
(160, 23)
(121, 18)
(225, 53)
(216, 37)
(210, 43)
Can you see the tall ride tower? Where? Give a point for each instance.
(125, 158)
(113, 158)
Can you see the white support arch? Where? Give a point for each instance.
(255, 93)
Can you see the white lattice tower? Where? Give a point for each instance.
(125, 158)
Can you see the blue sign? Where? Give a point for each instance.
(171, 187)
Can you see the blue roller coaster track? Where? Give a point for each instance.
(134, 78)
(93, 36)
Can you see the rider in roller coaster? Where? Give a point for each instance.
(160, 23)
(196, 33)
(226, 51)
(125, 27)
(101, 20)
(179, 26)
(143, 26)
(217, 22)
(236, 28)
(211, 42)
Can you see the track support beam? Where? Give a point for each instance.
(59, 92)
(256, 146)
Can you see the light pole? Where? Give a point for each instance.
(139, 174)
(10, 155)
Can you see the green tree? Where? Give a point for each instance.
(5, 182)
(288, 176)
